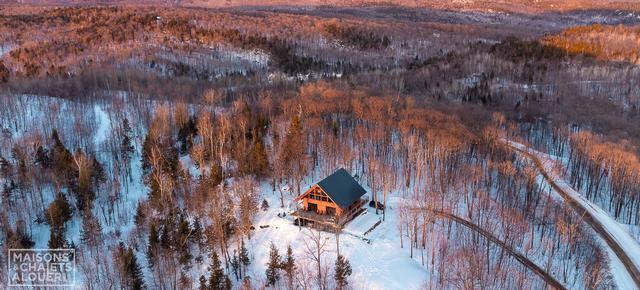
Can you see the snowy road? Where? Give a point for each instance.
(620, 242)
(551, 281)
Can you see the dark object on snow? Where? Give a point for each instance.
(265, 226)
(300, 222)
(252, 228)
(342, 188)
(373, 205)
(372, 228)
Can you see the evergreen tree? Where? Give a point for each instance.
(244, 256)
(218, 280)
(291, 155)
(98, 176)
(42, 157)
(7, 190)
(18, 239)
(135, 272)
(5, 167)
(184, 233)
(91, 229)
(5, 73)
(165, 234)
(215, 176)
(259, 159)
(147, 145)
(126, 146)
(57, 214)
(20, 157)
(235, 264)
(196, 233)
(140, 217)
(152, 245)
(385, 41)
(342, 271)
(185, 135)
(61, 158)
(57, 144)
(288, 265)
(132, 277)
(227, 283)
(203, 283)
(273, 266)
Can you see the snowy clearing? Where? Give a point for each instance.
(378, 264)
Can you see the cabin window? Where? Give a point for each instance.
(331, 210)
(312, 207)
(317, 194)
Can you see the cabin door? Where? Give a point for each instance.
(312, 207)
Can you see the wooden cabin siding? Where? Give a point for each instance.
(318, 197)
(322, 206)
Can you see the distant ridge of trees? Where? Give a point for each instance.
(358, 37)
(607, 42)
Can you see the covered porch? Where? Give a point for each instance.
(312, 218)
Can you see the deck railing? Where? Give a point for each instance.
(344, 217)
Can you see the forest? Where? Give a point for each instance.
(499, 150)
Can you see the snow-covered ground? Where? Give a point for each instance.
(104, 125)
(377, 260)
(5, 48)
(616, 230)
(80, 125)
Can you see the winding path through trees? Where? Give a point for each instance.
(512, 252)
(589, 216)
(550, 280)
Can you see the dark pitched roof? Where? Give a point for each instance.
(342, 188)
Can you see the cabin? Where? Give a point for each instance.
(332, 202)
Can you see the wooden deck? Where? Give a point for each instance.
(312, 218)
